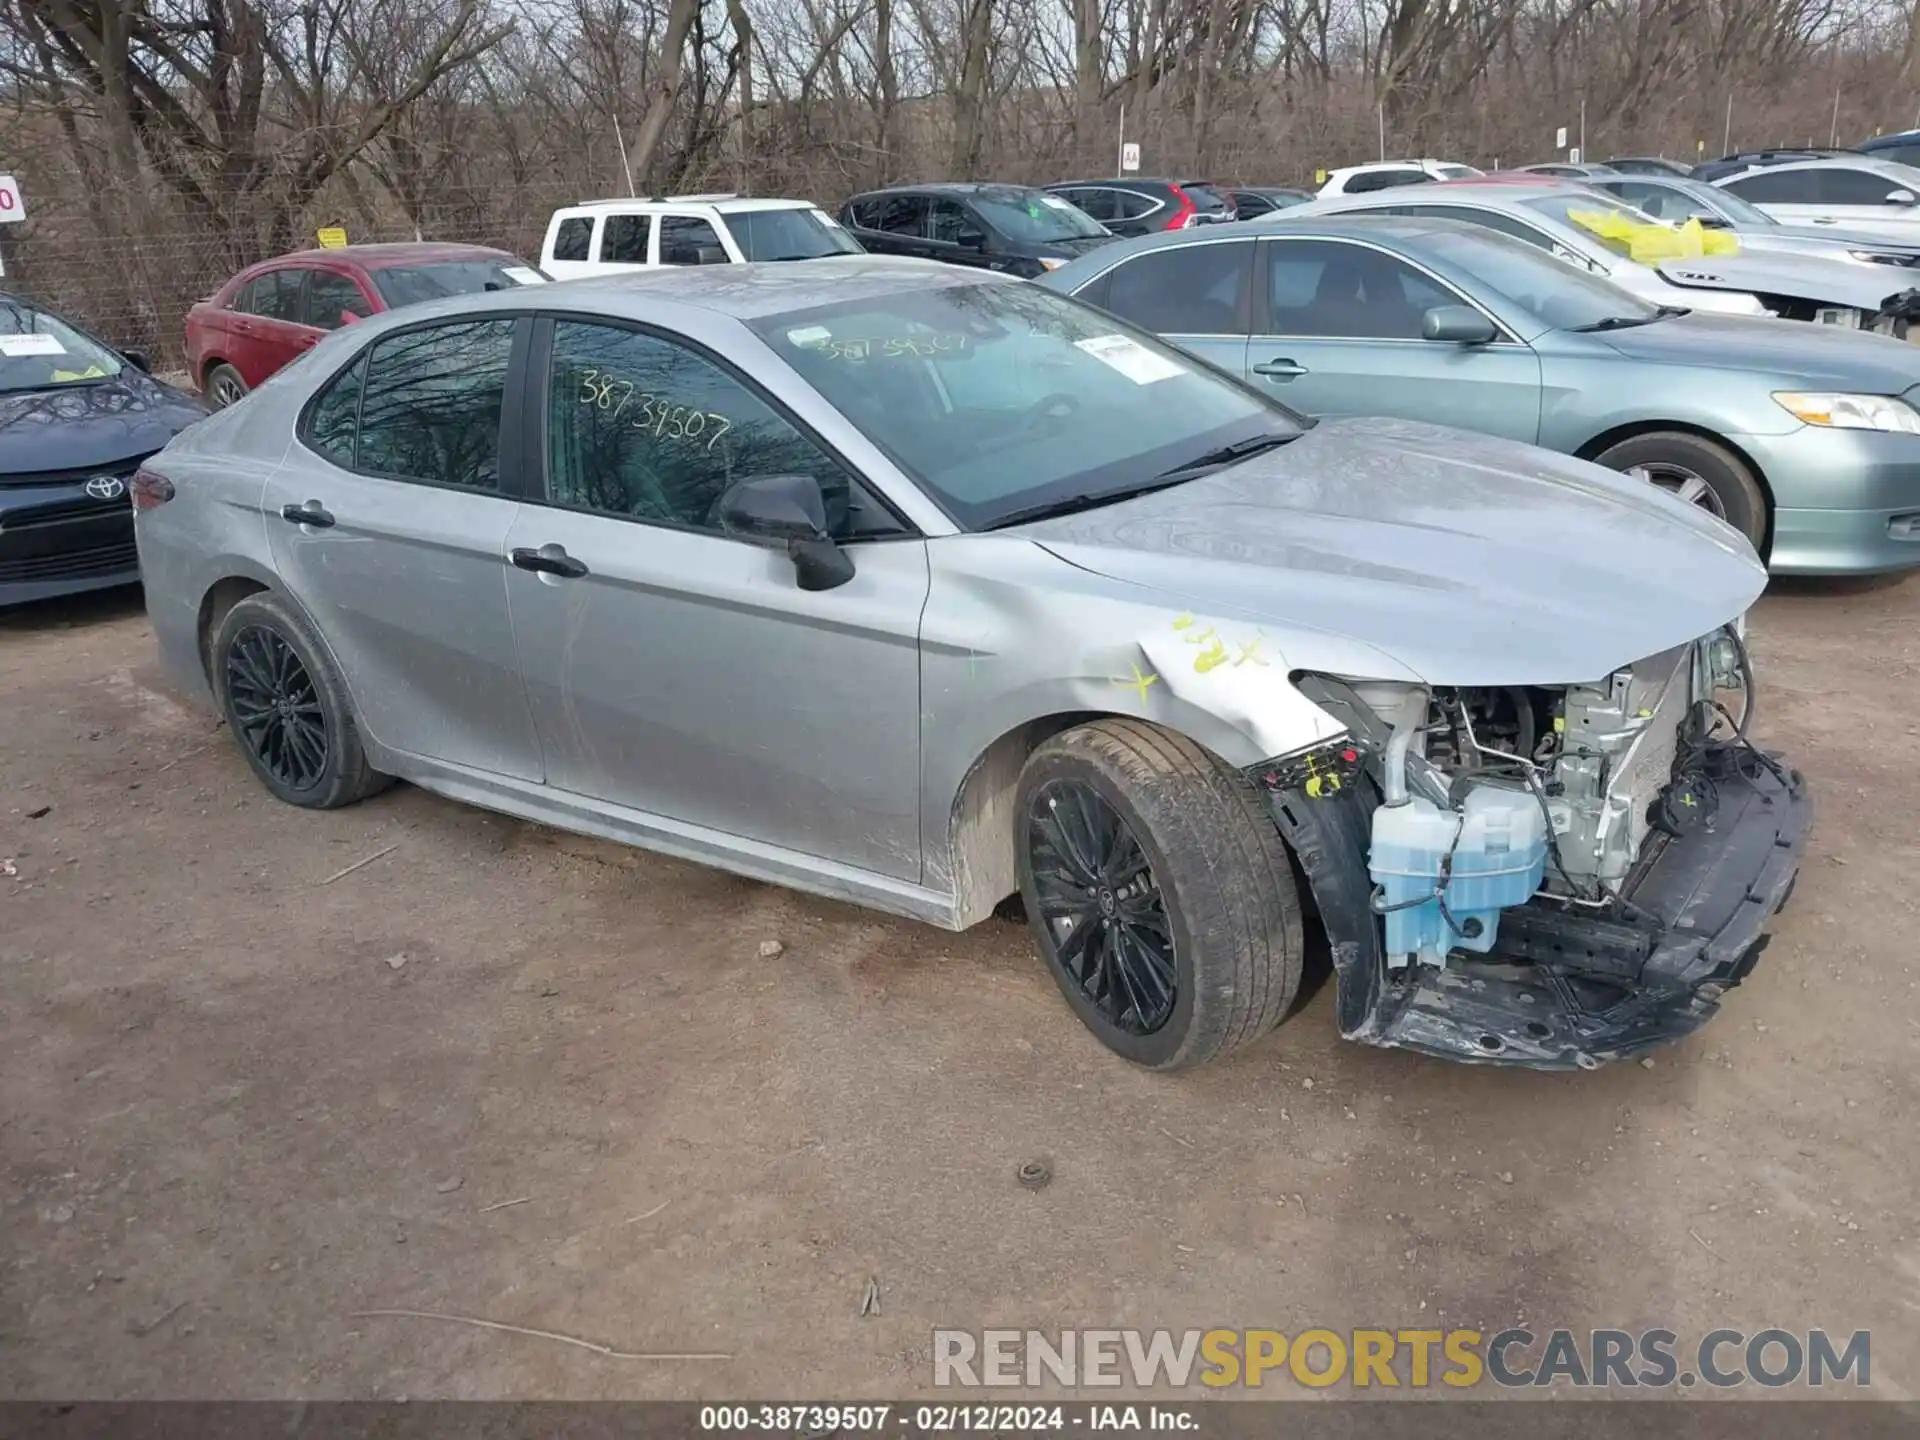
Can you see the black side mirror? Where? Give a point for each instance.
(138, 360)
(971, 239)
(1456, 325)
(789, 508)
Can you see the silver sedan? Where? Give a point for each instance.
(921, 587)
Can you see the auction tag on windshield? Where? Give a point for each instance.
(522, 275)
(1055, 201)
(1131, 358)
(809, 335)
(16, 347)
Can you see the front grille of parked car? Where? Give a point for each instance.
(31, 479)
(85, 564)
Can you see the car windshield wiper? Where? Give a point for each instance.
(1618, 322)
(1226, 455)
(1073, 504)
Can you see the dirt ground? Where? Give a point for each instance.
(512, 1074)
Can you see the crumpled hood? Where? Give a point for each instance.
(105, 422)
(1813, 357)
(1801, 277)
(1465, 559)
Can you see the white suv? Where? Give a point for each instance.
(600, 237)
(1387, 174)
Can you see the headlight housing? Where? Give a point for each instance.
(1835, 411)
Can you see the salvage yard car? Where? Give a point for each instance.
(270, 314)
(76, 420)
(1635, 251)
(1801, 437)
(605, 237)
(921, 587)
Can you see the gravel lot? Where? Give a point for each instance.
(508, 1073)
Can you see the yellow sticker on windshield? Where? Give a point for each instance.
(1649, 241)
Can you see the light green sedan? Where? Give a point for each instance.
(1806, 438)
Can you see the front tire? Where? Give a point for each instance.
(1159, 892)
(287, 706)
(1696, 470)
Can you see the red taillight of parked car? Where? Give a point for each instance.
(150, 489)
(1184, 214)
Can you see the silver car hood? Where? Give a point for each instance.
(1800, 277)
(1827, 235)
(1466, 559)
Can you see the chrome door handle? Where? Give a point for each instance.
(1279, 369)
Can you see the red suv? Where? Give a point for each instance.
(267, 315)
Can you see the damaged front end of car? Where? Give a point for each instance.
(1552, 877)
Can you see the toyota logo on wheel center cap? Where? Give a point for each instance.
(106, 487)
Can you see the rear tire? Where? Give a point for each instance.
(287, 706)
(1698, 471)
(224, 386)
(1197, 861)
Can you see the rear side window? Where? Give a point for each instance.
(273, 296)
(1186, 290)
(690, 240)
(335, 416)
(1093, 201)
(430, 405)
(331, 296)
(1384, 180)
(570, 240)
(1776, 187)
(1129, 206)
(624, 239)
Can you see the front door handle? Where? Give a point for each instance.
(312, 513)
(550, 560)
(1279, 369)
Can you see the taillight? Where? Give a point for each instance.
(1182, 217)
(150, 489)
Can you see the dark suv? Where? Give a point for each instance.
(995, 227)
(1140, 207)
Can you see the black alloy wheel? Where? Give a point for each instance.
(276, 710)
(1103, 914)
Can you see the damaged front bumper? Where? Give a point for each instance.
(1567, 986)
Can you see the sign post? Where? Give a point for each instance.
(13, 209)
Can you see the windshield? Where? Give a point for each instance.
(1726, 203)
(1554, 292)
(997, 399)
(1036, 216)
(410, 284)
(788, 235)
(38, 352)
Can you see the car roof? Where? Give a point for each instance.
(950, 187)
(406, 252)
(1849, 161)
(743, 292)
(730, 204)
(1123, 180)
(1880, 142)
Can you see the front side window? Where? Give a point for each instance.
(571, 239)
(1326, 289)
(431, 405)
(998, 398)
(1186, 290)
(788, 234)
(624, 239)
(949, 223)
(1857, 187)
(644, 428)
(331, 297)
(690, 240)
